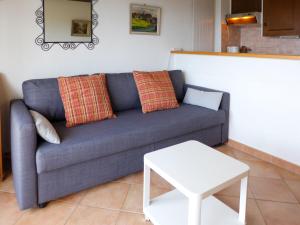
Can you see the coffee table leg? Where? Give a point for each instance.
(243, 200)
(194, 211)
(146, 197)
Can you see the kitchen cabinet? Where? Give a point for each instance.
(281, 17)
(245, 6)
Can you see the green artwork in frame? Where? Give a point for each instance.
(145, 19)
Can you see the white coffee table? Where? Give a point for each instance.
(197, 172)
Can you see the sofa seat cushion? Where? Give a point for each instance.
(131, 129)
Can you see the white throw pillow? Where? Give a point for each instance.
(45, 128)
(210, 100)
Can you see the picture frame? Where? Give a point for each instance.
(81, 28)
(145, 19)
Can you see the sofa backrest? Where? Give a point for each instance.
(124, 94)
(42, 95)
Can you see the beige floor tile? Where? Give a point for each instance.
(74, 198)
(159, 182)
(262, 169)
(253, 215)
(136, 178)
(132, 219)
(277, 192)
(84, 215)
(134, 200)
(271, 189)
(226, 150)
(234, 191)
(294, 186)
(9, 210)
(7, 184)
(276, 213)
(111, 196)
(54, 214)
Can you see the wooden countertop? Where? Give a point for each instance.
(251, 55)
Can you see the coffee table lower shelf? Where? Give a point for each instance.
(172, 209)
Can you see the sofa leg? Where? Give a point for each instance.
(42, 205)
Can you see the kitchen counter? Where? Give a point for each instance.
(253, 55)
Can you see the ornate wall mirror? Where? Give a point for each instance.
(68, 23)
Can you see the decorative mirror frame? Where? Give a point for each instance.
(46, 46)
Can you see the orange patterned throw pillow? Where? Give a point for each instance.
(85, 99)
(156, 91)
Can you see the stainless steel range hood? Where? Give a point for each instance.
(242, 19)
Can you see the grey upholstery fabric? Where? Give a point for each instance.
(124, 94)
(225, 106)
(43, 96)
(178, 83)
(68, 180)
(123, 91)
(131, 129)
(23, 149)
(99, 152)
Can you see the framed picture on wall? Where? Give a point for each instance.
(81, 28)
(145, 19)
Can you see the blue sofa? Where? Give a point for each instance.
(99, 152)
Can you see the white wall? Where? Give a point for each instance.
(118, 51)
(59, 15)
(265, 109)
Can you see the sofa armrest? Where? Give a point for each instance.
(225, 105)
(23, 151)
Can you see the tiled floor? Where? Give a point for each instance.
(274, 197)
